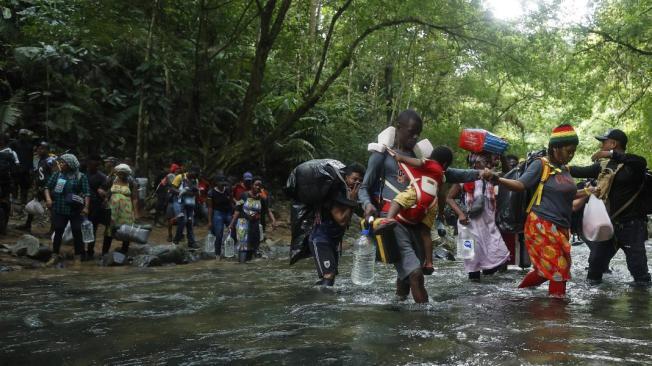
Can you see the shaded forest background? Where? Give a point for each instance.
(266, 84)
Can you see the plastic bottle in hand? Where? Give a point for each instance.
(229, 245)
(87, 231)
(364, 259)
(209, 246)
(465, 243)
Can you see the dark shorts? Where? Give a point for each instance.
(409, 243)
(326, 256)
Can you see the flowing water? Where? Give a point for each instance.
(268, 313)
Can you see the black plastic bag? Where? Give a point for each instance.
(313, 181)
(302, 218)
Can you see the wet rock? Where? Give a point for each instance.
(43, 254)
(168, 253)
(5, 268)
(114, 259)
(442, 253)
(27, 245)
(146, 260)
(274, 251)
(190, 257)
(136, 249)
(33, 321)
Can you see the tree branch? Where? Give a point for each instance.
(238, 30)
(316, 95)
(607, 37)
(635, 100)
(327, 42)
(280, 18)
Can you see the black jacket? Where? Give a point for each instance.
(627, 182)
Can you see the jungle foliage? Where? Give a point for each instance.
(266, 84)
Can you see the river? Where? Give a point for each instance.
(266, 312)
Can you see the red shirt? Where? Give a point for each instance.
(203, 187)
(238, 190)
(426, 180)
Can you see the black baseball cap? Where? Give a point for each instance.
(614, 134)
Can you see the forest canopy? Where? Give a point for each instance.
(238, 84)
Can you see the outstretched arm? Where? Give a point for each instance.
(405, 159)
(450, 199)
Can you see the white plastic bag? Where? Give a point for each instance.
(67, 237)
(423, 149)
(386, 136)
(596, 224)
(35, 208)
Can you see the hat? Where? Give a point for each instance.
(174, 167)
(247, 176)
(614, 134)
(122, 168)
(24, 131)
(564, 135)
(71, 160)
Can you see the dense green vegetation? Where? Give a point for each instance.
(235, 84)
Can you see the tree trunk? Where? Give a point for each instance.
(143, 115)
(270, 28)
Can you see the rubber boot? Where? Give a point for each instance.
(557, 289)
(419, 293)
(532, 279)
(474, 276)
(402, 289)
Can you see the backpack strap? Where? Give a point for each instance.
(631, 200)
(545, 174)
(606, 178)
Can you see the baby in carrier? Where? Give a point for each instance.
(417, 205)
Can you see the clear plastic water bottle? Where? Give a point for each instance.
(229, 245)
(87, 231)
(465, 243)
(364, 259)
(209, 246)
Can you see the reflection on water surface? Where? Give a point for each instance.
(268, 313)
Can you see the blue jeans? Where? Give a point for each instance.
(186, 220)
(220, 219)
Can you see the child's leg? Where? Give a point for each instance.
(427, 247)
(394, 208)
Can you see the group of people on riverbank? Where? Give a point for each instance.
(403, 190)
(106, 192)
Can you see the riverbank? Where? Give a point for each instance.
(276, 243)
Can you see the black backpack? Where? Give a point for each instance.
(7, 168)
(511, 207)
(647, 193)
